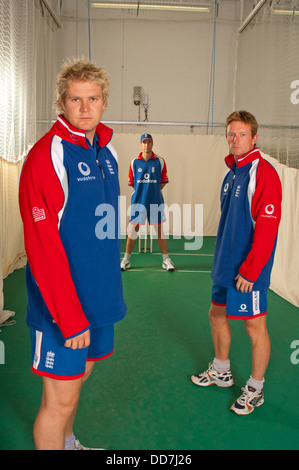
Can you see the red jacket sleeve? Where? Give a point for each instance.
(164, 176)
(266, 214)
(41, 198)
(131, 174)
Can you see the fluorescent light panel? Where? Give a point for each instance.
(148, 6)
(285, 12)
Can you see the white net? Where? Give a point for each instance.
(217, 67)
(169, 49)
(26, 70)
(267, 77)
(17, 126)
(195, 53)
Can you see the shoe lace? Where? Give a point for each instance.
(247, 393)
(168, 261)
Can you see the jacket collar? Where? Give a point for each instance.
(67, 132)
(140, 156)
(242, 161)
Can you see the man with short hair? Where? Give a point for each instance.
(244, 253)
(148, 176)
(74, 289)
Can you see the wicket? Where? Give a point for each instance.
(143, 234)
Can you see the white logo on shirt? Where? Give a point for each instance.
(110, 167)
(237, 193)
(269, 209)
(243, 308)
(38, 214)
(85, 171)
(49, 363)
(84, 168)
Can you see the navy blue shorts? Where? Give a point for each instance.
(240, 305)
(51, 358)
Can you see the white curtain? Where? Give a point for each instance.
(17, 78)
(27, 87)
(267, 81)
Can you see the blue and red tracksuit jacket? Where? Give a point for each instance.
(250, 215)
(67, 191)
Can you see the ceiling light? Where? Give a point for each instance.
(285, 12)
(148, 6)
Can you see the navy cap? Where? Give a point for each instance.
(146, 136)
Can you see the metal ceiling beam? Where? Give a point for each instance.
(52, 12)
(252, 15)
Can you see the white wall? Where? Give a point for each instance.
(171, 61)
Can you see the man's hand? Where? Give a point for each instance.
(79, 342)
(243, 285)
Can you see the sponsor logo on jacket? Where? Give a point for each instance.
(38, 214)
(85, 171)
(269, 212)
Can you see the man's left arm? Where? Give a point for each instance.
(266, 214)
(164, 176)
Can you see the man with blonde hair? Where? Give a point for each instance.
(243, 259)
(80, 70)
(74, 285)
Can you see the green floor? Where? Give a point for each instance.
(141, 398)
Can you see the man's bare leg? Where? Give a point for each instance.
(70, 423)
(58, 409)
(260, 341)
(221, 332)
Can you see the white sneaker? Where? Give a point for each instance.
(249, 400)
(125, 264)
(167, 264)
(79, 446)
(212, 377)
